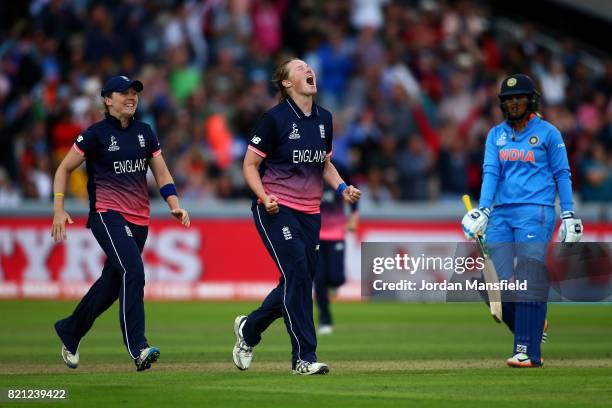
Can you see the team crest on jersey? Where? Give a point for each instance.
(113, 146)
(533, 140)
(322, 131)
(295, 133)
(501, 140)
(141, 140)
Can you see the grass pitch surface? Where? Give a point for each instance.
(381, 355)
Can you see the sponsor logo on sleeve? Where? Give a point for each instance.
(80, 138)
(256, 139)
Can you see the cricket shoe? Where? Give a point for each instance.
(325, 330)
(309, 368)
(545, 332)
(71, 360)
(521, 360)
(147, 357)
(242, 353)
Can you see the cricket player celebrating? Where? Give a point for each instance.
(285, 165)
(525, 165)
(118, 151)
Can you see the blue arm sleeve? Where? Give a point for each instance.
(490, 172)
(487, 190)
(559, 166)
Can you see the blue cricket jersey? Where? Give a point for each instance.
(527, 170)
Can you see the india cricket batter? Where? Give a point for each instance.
(525, 167)
(287, 160)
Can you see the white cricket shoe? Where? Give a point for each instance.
(242, 353)
(71, 360)
(147, 357)
(522, 360)
(310, 368)
(325, 330)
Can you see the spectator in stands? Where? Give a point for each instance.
(597, 175)
(386, 67)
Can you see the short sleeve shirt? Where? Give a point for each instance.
(294, 147)
(117, 160)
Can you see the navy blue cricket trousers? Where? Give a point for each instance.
(292, 239)
(122, 277)
(330, 274)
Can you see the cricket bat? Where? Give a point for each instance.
(489, 271)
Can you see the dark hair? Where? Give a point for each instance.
(280, 74)
(105, 106)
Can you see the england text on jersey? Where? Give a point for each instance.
(308, 156)
(130, 166)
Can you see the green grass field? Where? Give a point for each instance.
(381, 355)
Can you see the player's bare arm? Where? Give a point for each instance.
(60, 216)
(350, 193)
(164, 178)
(250, 170)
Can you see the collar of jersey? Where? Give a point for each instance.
(116, 122)
(533, 120)
(298, 111)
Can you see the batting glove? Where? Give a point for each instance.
(475, 222)
(571, 228)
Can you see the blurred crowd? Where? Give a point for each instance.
(412, 84)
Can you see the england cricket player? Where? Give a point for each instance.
(118, 151)
(525, 166)
(287, 161)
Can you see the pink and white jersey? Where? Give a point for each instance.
(117, 161)
(294, 147)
